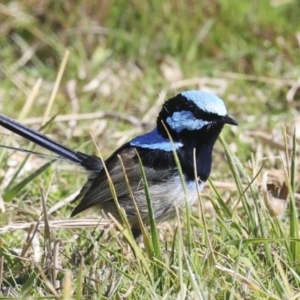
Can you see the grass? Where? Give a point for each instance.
(125, 58)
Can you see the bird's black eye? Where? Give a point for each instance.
(205, 116)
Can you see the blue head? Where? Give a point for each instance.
(189, 117)
(192, 111)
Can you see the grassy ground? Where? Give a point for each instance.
(94, 64)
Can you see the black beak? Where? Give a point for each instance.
(228, 120)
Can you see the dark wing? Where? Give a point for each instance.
(97, 191)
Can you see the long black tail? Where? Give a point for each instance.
(90, 162)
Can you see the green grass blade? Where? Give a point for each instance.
(294, 222)
(11, 193)
(154, 233)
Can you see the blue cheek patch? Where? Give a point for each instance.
(185, 120)
(153, 140)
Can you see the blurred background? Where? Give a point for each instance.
(102, 69)
(128, 56)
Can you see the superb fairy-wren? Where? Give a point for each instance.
(187, 123)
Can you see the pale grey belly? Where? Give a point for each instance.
(164, 199)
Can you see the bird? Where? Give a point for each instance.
(187, 128)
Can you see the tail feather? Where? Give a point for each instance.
(90, 162)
